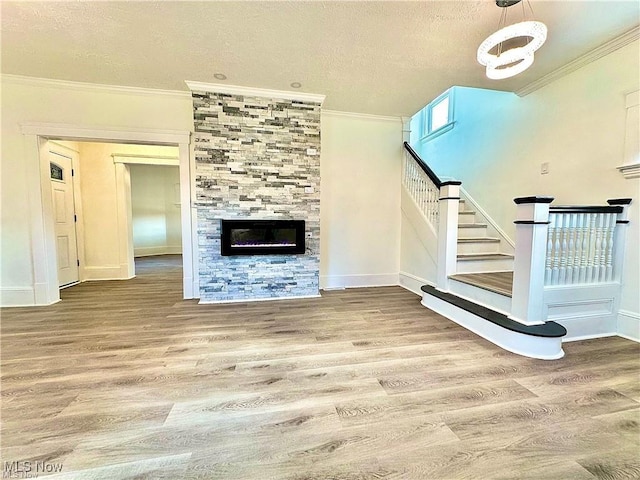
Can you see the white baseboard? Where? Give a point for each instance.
(161, 250)
(17, 297)
(413, 283)
(588, 337)
(629, 325)
(358, 281)
(106, 273)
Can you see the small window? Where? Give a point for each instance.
(438, 115)
(56, 171)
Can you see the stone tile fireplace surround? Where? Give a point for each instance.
(256, 158)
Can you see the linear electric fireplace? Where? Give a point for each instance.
(262, 237)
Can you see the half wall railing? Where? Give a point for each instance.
(564, 246)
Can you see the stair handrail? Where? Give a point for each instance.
(585, 209)
(425, 168)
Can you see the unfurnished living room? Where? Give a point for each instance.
(321, 240)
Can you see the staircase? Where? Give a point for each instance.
(477, 251)
(484, 273)
(560, 282)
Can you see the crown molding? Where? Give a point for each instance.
(254, 92)
(589, 57)
(91, 87)
(362, 116)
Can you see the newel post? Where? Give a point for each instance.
(620, 236)
(448, 205)
(532, 225)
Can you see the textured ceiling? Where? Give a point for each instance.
(386, 58)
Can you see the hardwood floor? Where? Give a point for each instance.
(124, 380)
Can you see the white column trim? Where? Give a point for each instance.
(449, 205)
(254, 92)
(527, 305)
(125, 222)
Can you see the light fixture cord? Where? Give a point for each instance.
(530, 8)
(501, 24)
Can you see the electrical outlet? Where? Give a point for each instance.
(544, 168)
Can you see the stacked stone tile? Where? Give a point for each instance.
(256, 158)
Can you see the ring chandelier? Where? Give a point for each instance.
(511, 62)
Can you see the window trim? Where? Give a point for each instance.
(427, 112)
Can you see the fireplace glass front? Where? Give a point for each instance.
(262, 237)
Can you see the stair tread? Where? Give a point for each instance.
(497, 282)
(484, 256)
(471, 225)
(478, 240)
(548, 329)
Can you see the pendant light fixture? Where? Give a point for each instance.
(501, 53)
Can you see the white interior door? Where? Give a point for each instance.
(64, 219)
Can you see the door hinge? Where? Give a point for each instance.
(75, 217)
(72, 172)
(78, 262)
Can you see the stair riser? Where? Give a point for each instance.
(466, 217)
(493, 300)
(476, 266)
(479, 247)
(472, 232)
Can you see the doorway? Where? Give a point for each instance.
(155, 206)
(43, 239)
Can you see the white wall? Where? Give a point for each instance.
(577, 125)
(360, 200)
(156, 209)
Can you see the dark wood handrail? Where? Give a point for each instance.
(425, 168)
(585, 209)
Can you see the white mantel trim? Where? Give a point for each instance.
(363, 116)
(589, 57)
(630, 171)
(254, 92)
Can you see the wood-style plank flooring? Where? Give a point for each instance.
(124, 380)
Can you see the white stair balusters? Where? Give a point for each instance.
(423, 191)
(580, 245)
